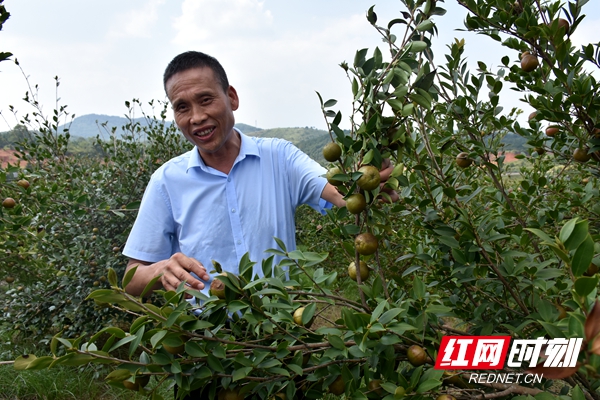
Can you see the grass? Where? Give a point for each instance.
(61, 383)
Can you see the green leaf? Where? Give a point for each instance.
(546, 310)
(418, 288)
(308, 313)
(104, 294)
(541, 234)
(241, 373)
(139, 321)
(330, 103)
(112, 277)
(428, 385)
(193, 349)
(54, 343)
(22, 362)
(425, 25)
(552, 330)
(417, 46)
(389, 315)
(129, 275)
(336, 342)
(118, 375)
(586, 285)
(567, 229)
(396, 104)
(378, 311)
(583, 256)
(157, 337)
(577, 393)
(75, 359)
(577, 236)
(149, 285)
(236, 306)
(121, 342)
(420, 100)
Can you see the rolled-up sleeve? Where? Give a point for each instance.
(306, 179)
(152, 236)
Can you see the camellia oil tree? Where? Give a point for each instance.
(469, 249)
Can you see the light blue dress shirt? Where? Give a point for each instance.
(206, 214)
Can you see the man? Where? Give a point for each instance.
(230, 195)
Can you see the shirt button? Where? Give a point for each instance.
(228, 179)
(239, 242)
(233, 210)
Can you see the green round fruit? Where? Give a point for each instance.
(140, 382)
(445, 397)
(370, 178)
(217, 288)
(9, 202)
(375, 387)
(332, 152)
(178, 349)
(416, 355)
(356, 203)
(552, 131)
(230, 394)
(337, 387)
(463, 160)
(24, 183)
(331, 173)
(364, 271)
(298, 316)
(581, 154)
(529, 62)
(366, 243)
(564, 24)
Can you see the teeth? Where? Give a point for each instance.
(204, 132)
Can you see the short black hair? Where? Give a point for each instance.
(195, 59)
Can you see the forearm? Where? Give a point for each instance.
(144, 273)
(331, 194)
(172, 272)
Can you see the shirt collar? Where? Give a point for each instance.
(247, 148)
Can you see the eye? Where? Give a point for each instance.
(180, 107)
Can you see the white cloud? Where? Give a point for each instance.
(207, 19)
(137, 23)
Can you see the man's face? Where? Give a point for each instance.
(203, 111)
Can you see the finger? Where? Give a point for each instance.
(169, 282)
(197, 268)
(394, 197)
(183, 267)
(191, 280)
(386, 170)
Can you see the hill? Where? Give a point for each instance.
(91, 125)
(309, 140)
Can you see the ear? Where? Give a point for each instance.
(233, 98)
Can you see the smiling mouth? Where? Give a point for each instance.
(204, 132)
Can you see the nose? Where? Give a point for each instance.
(198, 116)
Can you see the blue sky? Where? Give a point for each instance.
(277, 53)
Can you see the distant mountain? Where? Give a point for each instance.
(91, 125)
(309, 140)
(247, 129)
